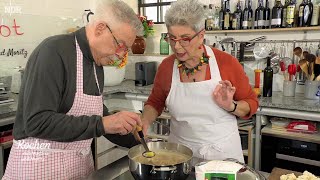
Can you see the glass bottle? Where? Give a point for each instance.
(284, 14)
(267, 15)
(291, 9)
(236, 20)
(221, 16)
(164, 45)
(247, 16)
(259, 16)
(267, 79)
(315, 13)
(310, 7)
(276, 14)
(216, 19)
(209, 21)
(226, 14)
(301, 18)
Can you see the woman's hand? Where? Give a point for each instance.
(223, 95)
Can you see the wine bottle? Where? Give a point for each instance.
(221, 16)
(276, 14)
(267, 15)
(260, 16)
(267, 79)
(315, 14)
(237, 16)
(226, 14)
(310, 6)
(284, 14)
(209, 21)
(291, 9)
(302, 19)
(216, 19)
(247, 16)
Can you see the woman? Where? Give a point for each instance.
(204, 89)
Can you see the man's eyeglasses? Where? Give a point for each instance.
(182, 41)
(121, 46)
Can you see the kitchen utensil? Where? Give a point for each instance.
(317, 61)
(311, 89)
(292, 69)
(147, 153)
(311, 59)
(260, 52)
(318, 51)
(289, 88)
(174, 171)
(316, 71)
(305, 53)
(257, 73)
(297, 51)
(161, 126)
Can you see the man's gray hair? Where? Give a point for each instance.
(186, 13)
(114, 11)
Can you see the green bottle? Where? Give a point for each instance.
(164, 45)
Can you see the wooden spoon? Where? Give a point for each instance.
(304, 66)
(297, 51)
(305, 53)
(317, 60)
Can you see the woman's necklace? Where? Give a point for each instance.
(190, 71)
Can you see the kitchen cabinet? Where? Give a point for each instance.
(288, 107)
(249, 152)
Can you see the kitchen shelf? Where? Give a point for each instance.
(315, 138)
(304, 29)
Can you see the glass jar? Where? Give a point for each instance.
(164, 45)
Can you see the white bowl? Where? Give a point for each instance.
(113, 76)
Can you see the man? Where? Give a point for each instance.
(60, 106)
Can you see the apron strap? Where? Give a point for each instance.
(79, 82)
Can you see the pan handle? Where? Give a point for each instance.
(173, 169)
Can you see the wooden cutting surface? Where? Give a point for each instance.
(277, 172)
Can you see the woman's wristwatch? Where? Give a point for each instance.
(235, 106)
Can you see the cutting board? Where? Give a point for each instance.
(277, 172)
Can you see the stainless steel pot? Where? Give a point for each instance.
(150, 172)
(161, 126)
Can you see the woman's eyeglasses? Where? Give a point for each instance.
(182, 41)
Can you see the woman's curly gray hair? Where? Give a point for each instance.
(186, 13)
(115, 11)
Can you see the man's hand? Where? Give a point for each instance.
(223, 95)
(121, 123)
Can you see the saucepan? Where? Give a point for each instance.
(171, 161)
